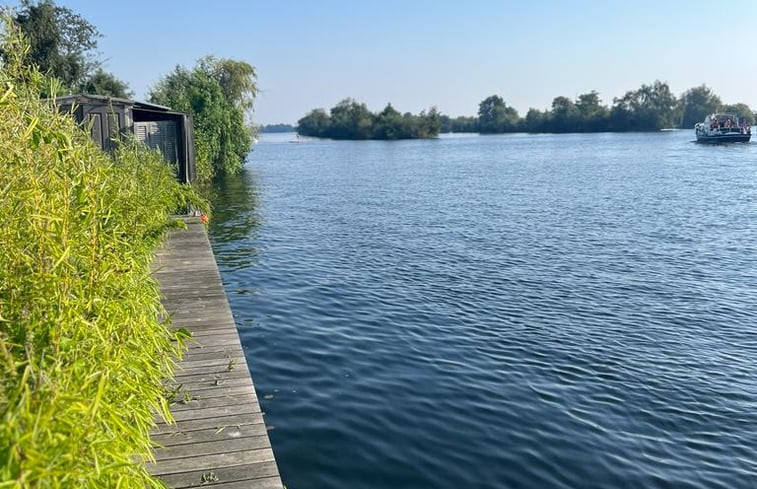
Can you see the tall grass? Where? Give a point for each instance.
(82, 352)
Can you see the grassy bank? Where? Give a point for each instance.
(82, 353)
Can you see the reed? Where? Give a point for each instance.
(83, 354)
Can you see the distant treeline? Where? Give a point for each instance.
(277, 128)
(350, 119)
(650, 108)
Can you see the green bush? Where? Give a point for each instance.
(82, 351)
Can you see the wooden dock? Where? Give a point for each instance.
(219, 439)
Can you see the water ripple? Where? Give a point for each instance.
(521, 311)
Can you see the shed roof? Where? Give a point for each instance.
(104, 99)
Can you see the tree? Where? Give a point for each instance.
(281, 127)
(697, 103)
(588, 104)
(494, 116)
(62, 44)
(104, 83)
(433, 122)
(316, 123)
(650, 108)
(464, 124)
(622, 114)
(237, 79)
(591, 112)
(458, 124)
(535, 121)
(350, 119)
(657, 106)
(217, 94)
(388, 124)
(564, 115)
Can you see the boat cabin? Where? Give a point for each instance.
(723, 121)
(108, 118)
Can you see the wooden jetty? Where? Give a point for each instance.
(219, 439)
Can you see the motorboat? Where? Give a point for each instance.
(723, 128)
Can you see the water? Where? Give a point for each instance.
(514, 311)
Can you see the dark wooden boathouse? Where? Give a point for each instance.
(108, 118)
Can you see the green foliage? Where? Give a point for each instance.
(430, 123)
(591, 113)
(650, 108)
(696, 104)
(458, 124)
(103, 83)
(350, 119)
(82, 352)
(63, 45)
(218, 93)
(535, 121)
(277, 128)
(564, 114)
(494, 116)
(388, 123)
(61, 41)
(236, 78)
(316, 123)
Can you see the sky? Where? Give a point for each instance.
(422, 53)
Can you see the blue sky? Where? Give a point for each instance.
(451, 54)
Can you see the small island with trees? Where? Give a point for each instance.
(650, 108)
(350, 119)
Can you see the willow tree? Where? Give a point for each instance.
(220, 94)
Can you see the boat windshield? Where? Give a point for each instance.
(725, 117)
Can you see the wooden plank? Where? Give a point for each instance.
(212, 461)
(198, 402)
(216, 412)
(222, 339)
(209, 374)
(210, 435)
(198, 385)
(267, 483)
(217, 423)
(219, 437)
(217, 391)
(212, 329)
(249, 476)
(207, 353)
(213, 447)
(220, 358)
(222, 365)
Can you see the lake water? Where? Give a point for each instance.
(518, 311)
